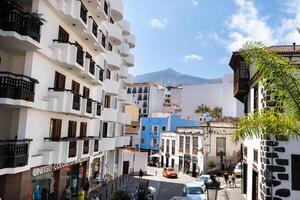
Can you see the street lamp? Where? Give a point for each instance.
(212, 188)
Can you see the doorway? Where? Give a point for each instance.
(125, 167)
(173, 163)
(194, 170)
(255, 185)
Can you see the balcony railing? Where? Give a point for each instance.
(72, 149)
(17, 86)
(83, 13)
(85, 146)
(76, 101)
(20, 22)
(14, 153)
(89, 103)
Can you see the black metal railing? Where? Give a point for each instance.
(89, 103)
(83, 13)
(95, 28)
(92, 67)
(72, 149)
(76, 101)
(98, 109)
(96, 145)
(14, 153)
(21, 22)
(85, 146)
(17, 86)
(101, 74)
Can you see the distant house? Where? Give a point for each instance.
(201, 148)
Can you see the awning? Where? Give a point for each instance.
(154, 156)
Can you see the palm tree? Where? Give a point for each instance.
(203, 109)
(216, 112)
(284, 87)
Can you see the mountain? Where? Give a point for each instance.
(170, 77)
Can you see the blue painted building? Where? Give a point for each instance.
(151, 127)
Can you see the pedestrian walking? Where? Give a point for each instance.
(80, 195)
(37, 194)
(67, 193)
(233, 175)
(141, 173)
(226, 177)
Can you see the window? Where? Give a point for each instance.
(144, 104)
(63, 35)
(59, 81)
(86, 92)
(181, 144)
(163, 128)
(163, 145)
(195, 145)
(134, 90)
(139, 97)
(143, 128)
(142, 141)
(107, 101)
(144, 110)
(83, 128)
(108, 74)
(106, 8)
(109, 47)
(173, 147)
(145, 89)
(255, 105)
(187, 144)
(221, 146)
(245, 152)
(72, 129)
(168, 146)
(145, 97)
(155, 129)
(140, 90)
(105, 129)
(75, 87)
(295, 172)
(154, 142)
(55, 129)
(255, 155)
(128, 90)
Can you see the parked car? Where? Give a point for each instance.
(180, 198)
(194, 191)
(202, 179)
(169, 172)
(238, 169)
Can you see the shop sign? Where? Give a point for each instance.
(48, 168)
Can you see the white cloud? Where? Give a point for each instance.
(192, 57)
(158, 23)
(247, 25)
(195, 2)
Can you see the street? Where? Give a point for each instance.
(167, 188)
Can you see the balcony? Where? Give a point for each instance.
(131, 41)
(129, 61)
(110, 114)
(124, 118)
(64, 101)
(114, 34)
(68, 55)
(107, 144)
(113, 60)
(96, 7)
(125, 26)
(122, 141)
(19, 31)
(14, 153)
(116, 7)
(92, 31)
(124, 49)
(15, 87)
(111, 87)
(123, 72)
(122, 94)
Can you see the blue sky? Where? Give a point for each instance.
(197, 37)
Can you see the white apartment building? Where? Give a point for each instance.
(192, 149)
(212, 95)
(270, 165)
(62, 94)
(149, 97)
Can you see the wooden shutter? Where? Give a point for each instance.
(75, 87)
(83, 128)
(72, 129)
(59, 81)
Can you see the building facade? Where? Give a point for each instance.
(62, 94)
(270, 165)
(149, 97)
(151, 127)
(200, 149)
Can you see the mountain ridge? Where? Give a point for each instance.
(171, 77)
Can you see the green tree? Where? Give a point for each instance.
(203, 109)
(283, 85)
(216, 112)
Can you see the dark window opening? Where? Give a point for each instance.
(72, 129)
(59, 81)
(55, 129)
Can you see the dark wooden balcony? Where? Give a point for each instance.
(23, 23)
(17, 86)
(72, 149)
(13, 153)
(86, 146)
(89, 103)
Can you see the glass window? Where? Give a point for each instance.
(155, 129)
(187, 144)
(143, 128)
